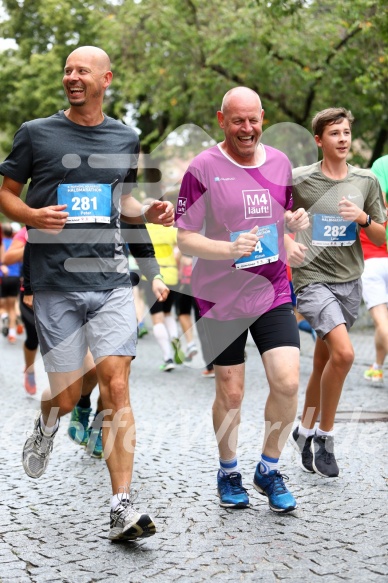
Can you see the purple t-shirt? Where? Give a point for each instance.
(220, 198)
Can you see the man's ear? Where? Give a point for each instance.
(220, 118)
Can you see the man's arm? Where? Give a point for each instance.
(52, 218)
(159, 212)
(351, 212)
(197, 245)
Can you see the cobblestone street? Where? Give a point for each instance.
(55, 529)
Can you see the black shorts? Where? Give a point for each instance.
(155, 306)
(227, 339)
(185, 302)
(10, 286)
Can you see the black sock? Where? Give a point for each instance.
(84, 402)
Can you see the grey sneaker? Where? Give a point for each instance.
(324, 462)
(37, 450)
(128, 524)
(302, 445)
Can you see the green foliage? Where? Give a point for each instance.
(173, 61)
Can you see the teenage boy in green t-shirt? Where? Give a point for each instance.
(342, 200)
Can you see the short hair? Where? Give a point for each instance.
(328, 117)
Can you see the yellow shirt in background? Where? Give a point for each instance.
(164, 241)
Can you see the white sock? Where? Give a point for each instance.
(171, 326)
(267, 464)
(305, 432)
(320, 432)
(48, 430)
(229, 466)
(12, 332)
(377, 366)
(163, 339)
(116, 500)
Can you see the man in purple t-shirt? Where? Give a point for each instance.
(234, 201)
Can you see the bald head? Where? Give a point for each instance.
(239, 95)
(94, 55)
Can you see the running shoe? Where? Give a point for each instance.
(19, 326)
(29, 383)
(374, 374)
(11, 339)
(231, 491)
(191, 351)
(141, 330)
(208, 374)
(179, 355)
(78, 426)
(167, 366)
(128, 524)
(324, 462)
(94, 446)
(37, 450)
(272, 485)
(303, 446)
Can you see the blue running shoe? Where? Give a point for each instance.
(78, 426)
(272, 485)
(231, 491)
(94, 446)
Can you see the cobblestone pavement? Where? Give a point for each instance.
(54, 529)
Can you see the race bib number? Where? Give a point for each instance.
(86, 203)
(333, 231)
(266, 250)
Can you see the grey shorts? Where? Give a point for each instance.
(68, 323)
(327, 305)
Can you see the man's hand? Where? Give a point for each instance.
(29, 301)
(351, 212)
(50, 219)
(245, 244)
(297, 220)
(160, 290)
(160, 212)
(296, 252)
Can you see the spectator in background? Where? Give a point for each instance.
(10, 284)
(375, 283)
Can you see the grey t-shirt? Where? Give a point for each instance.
(55, 151)
(336, 261)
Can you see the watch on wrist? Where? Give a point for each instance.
(159, 276)
(368, 222)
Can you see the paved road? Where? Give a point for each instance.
(54, 529)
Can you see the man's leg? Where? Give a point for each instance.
(227, 407)
(119, 439)
(379, 315)
(282, 369)
(59, 399)
(226, 421)
(339, 356)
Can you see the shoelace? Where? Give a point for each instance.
(235, 483)
(328, 455)
(278, 486)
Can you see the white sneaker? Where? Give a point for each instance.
(126, 523)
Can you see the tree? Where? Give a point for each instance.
(173, 61)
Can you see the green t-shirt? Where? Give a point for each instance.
(380, 169)
(338, 258)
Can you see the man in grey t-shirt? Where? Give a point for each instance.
(341, 200)
(82, 165)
